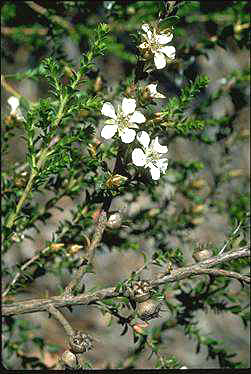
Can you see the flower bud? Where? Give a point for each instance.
(115, 180)
(21, 180)
(56, 246)
(139, 328)
(98, 84)
(198, 208)
(198, 183)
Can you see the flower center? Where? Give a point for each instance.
(122, 121)
(151, 156)
(154, 46)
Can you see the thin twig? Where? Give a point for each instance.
(26, 30)
(229, 240)
(224, 273)
(42, 252)
(97, 236)
(59, 316)
(11, 90)
(188, 271)
(22, 269)
(57, 19)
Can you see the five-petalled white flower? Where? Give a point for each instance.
(155, 44)
(125, 121)
(151, 156)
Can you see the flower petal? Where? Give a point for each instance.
(143, 45)
(164, 39)
(108, 131)
(143, 138)
(153, 91)
(162, 164)
(108, 110)
(128, 135)
(146, 28)
(138, 157)
(158, 147)
(128, 106)
(159, 60)
(137, 117)
(155, 172)
(13, 102)
(169, 51)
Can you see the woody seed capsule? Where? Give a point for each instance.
(69, 359)
(148, 309)
(202, 255)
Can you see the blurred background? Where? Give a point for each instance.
(209, 39)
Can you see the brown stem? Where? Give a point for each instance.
(59, 316)
(37, 305)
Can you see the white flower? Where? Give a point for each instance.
(153, 91)
(155, 44)
(151, 156)
(15, 110)
(124, 121)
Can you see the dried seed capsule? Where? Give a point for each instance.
(148, 309)
(114, 221)
(80, 342)
(68, 358)
(202, 254)
(140, 291)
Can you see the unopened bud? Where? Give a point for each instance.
(98, 84)
(56, 246)
(115, 180)
(198, 183)
(236, 173)
(21, 179)
(139, 327)
(198, 208)
(130, 91)
(74, 248)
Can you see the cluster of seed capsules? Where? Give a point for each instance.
(146, 307)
